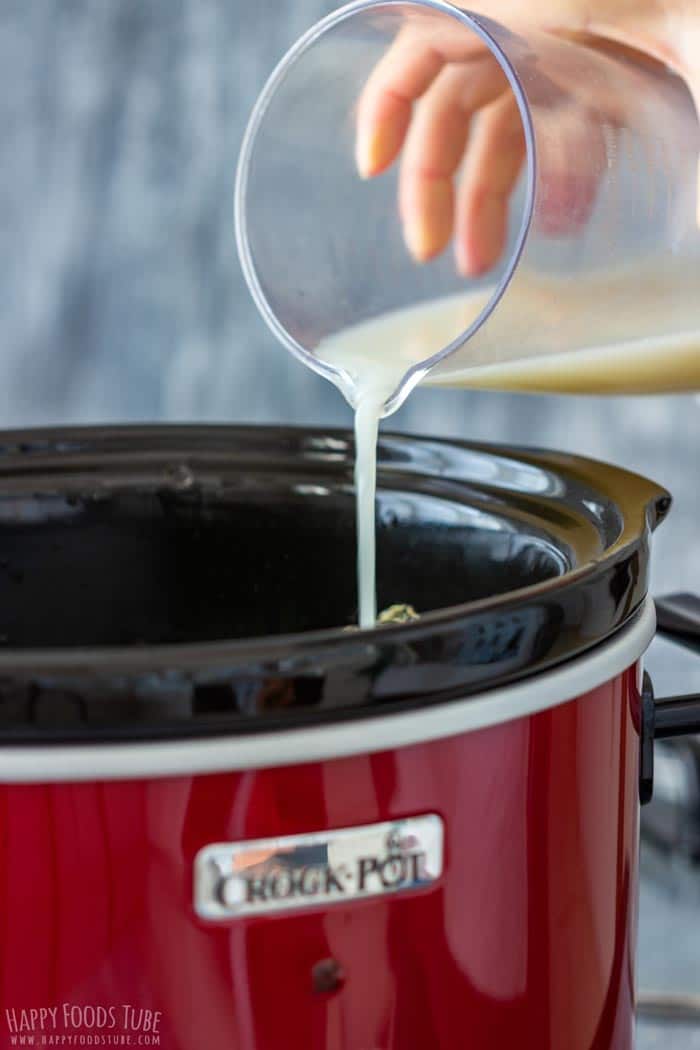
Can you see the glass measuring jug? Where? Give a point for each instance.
(589, 197)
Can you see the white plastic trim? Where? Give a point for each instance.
(51, 763)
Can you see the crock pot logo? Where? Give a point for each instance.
(242, 878)
(381, 873)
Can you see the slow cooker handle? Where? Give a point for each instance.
(677, 617)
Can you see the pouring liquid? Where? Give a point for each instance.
(643, 337)
(367, 415)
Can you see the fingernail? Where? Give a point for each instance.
(377, 147)
(427, 207)
(419, 238)
(364, 153)
(482, 235)
(468, 265)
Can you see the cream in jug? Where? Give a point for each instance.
(657, 351)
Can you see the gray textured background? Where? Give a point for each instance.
(123, 298)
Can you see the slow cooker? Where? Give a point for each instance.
(230, 821)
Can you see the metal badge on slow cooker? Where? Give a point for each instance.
(329, 867)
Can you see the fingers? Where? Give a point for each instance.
(422, 97)
(402, 75)
(434, 149)
(572, 159)
(384, 108)
(494, 160)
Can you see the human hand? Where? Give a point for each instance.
(440, 99)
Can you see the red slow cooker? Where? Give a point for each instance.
(230, 823)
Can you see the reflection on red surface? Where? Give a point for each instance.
(527, 940)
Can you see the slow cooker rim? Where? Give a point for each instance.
(267, 648)
(77, 761)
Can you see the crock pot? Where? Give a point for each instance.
(230, 820)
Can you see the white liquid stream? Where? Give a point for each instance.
(367, 416)
(628, 333)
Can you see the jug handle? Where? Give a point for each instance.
(678, 618)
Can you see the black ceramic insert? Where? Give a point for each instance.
(185, 580)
